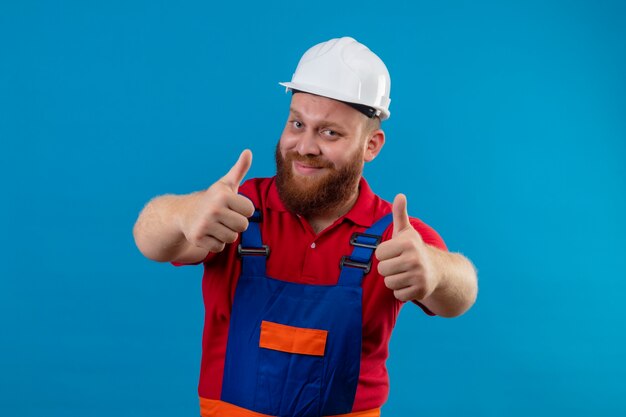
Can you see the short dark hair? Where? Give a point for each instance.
(372, 124)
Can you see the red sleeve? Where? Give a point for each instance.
(430, 237)
(428, 234)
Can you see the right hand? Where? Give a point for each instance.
(216, 216)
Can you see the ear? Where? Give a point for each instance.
(373, 144)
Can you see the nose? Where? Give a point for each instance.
(307, 144)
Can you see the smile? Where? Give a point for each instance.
(304, 169)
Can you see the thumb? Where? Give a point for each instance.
(236, 174)
(400, 215)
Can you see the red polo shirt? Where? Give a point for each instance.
(297, 254)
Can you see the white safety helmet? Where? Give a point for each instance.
(344, 70)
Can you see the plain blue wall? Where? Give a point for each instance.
(507, 134)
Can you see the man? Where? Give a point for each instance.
(305, 273)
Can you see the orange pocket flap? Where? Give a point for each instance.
(292, 339)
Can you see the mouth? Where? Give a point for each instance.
(304, 169)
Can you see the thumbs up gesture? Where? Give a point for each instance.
(404, 260)
(217, 215)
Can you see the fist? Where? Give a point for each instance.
(216, 216)
(404, 259)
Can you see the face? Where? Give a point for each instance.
(321, 153)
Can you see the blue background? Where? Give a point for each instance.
(507, 134)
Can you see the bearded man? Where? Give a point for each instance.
(305, 273)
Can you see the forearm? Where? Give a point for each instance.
(457, 284)
(157, 232)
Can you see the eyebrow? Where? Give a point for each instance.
(326, 123)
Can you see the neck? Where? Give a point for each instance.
(320, 222)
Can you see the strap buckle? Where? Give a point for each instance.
(345, 260)
(355, 236)
(262, 251)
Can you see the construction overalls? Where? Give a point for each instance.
(294, 350)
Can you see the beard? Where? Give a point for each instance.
(320, 194)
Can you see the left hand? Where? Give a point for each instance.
(404, 260)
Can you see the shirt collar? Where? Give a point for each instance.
(362, 213)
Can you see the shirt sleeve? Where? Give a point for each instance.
(428, 234)
(430, 237)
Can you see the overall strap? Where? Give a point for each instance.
(354, 267)
(251, 249)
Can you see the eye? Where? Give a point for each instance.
(297, 124)
(330, 133)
